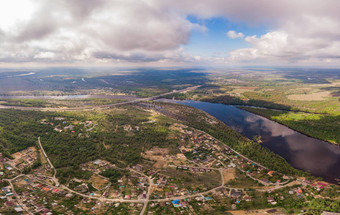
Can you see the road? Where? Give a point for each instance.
(51, 165)
(149, 178)
(143, 201)
(224, 145)
(146, 201)
(15, 193)
(100, 106)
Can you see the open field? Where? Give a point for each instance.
(306, 94)
(310, 97)
(167, 158)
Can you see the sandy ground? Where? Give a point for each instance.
(158, 155)
(243, 89)
(181, 157)
(229, 174)
(98, 182)
(310, 97)
(19, 154)
(254, 212)
(21, 183)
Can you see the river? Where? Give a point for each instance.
(318, 157)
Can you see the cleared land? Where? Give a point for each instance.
(310, 97)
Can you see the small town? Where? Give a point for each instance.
(170, 107)
(205, 175)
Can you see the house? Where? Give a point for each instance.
(271, 200)
(247, 198)
(46, 189)
(235, 194)
(9, 167)
(139, 167)
(299, 192)
(265, 180)
(10, 204)
(70, 127)
(45, 210)
(199, 198)
(69, 195)
(18, 209)
(231, 165)
(59, 118)
(270, 173)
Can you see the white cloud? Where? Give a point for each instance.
(75, 30)
(234, 34)
(272, 44)
(304, 31)
(153, 30)
(308, 39)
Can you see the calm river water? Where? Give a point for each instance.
(315, 156)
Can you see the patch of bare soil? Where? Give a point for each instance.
(254, 212)
(310, 97)
(98, 182)
(229, 174)
(158, 155)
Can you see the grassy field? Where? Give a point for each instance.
(306, 101)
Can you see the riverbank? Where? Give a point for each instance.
(317, 157)
(322, 127)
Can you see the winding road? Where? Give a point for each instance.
(149, 178)
(143, 201)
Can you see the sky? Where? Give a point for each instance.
(170, 32)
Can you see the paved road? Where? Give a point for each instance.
(100, 106)
(143, 201)
(149, 178)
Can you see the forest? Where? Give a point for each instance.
(121, 136)
(202, 121)
(67, 150)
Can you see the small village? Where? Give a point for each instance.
(206, 175)
(61, 124)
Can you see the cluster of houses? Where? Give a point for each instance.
(165, 188)
(129, 128)
(236, 196)
(180, 206)
(185, 205)
(194, 169)
(62, 125)
(34, 195)
(97, 166)
(10, 203)
(24, 158)
(204, 150)
(3, 159)
(133, 187)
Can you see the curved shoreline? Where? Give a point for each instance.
(273, 109)
(301, 132)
